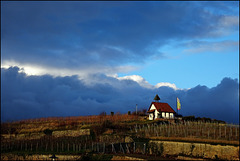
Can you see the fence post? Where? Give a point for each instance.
(113, 149)
(128, 151)
(46, 147)
(134, 147)
(104, 147)
(98, 147)
(225, 131)
(230, 135)
(121, 148)
(168, 130)
(220, 131)
(236, 131)
(214, 133)
(208, 133)
(144, 148)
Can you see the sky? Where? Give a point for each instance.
(82, 58)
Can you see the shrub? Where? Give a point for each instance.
(189, 118)
(48, 132)
(107, 124)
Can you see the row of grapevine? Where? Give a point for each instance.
(204, 130)
(74, 147)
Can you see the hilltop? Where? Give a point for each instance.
(124, 133)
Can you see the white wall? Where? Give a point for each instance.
(152, 107)
(163, 114)
(171, 116)
(150, 116)
(167, 115)
(156, 113)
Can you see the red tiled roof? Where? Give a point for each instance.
(151, 111)
(162, 107)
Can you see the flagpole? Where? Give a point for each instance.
(176, 105)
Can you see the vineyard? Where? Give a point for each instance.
(63, 123)
(108, 134)
(189, 129)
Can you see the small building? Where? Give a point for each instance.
(160, 110)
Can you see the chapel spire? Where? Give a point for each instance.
(156, 98)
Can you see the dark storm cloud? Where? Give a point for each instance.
(25, 97)
(79, 34)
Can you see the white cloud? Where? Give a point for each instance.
(166, 84)
(226, 25)
(229, 21)
(207, 46)
(26, 68)
(31, 69)
(140, 80)
(87, 75)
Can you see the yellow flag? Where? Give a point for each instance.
(178, 104)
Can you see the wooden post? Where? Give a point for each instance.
(113, 149)
(46, 147)
(168, 130)
(144, 148)
(127, 149)
(220, 131)
(104, 147)
(230, 135)
(121, 148)
(225, 131)
(97, 147)
(214, 133)
(236, 132)
(136, 109)
(134, 147)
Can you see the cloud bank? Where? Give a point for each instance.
(24, 96)
(80, 35)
